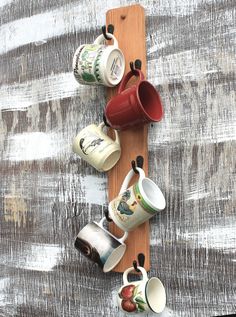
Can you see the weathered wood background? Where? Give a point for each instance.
(47, 194)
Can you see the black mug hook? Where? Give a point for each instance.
(138, 64)
(105, 120)
(135, 65)
(141, 260)
(138, 163)
(110, 29)
(106, 213)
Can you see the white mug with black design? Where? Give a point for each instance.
(97, 148)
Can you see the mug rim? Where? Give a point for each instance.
(146, 296)
(160, 206)
(140, 104)
(105, 78)
(121, 246)
(115, 148)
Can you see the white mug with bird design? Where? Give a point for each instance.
(136, 204)
(97, 148)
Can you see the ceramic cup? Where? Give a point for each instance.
(134, 106)
(143, 296)
(99, 64)
(138, 203)
(98, 149)
(100, 246)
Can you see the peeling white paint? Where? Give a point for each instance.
(33, 146)
(6, 2)
(40, 257)
(94, 189)
(64, 20)
(197, 195)
(53, 87)
(218, 237)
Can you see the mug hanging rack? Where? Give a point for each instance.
(133, 141)
(141, 261)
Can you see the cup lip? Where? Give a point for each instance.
(123, 246)
(155, 207)
(147, 282)
(146, 115)
(112, 150)
(107, 51)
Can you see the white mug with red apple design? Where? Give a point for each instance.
(143, 296)
(136, 204)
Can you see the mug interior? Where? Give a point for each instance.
(150, 101)
(155, 295)
(152, 194)
(114, 258)
(111, 160)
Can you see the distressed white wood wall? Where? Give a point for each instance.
(47, 194)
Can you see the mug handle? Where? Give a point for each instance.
(136, 72)
(122, 239)
(101, 38)
(130, 269)
(117, 139)
(128, 177)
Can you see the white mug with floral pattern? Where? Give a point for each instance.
(143, 296)
(97, 148)
(136, 204)
(98, 63)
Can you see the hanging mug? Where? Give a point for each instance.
(137, 105)
(100, 246)
(143, 296)
(99, 64)
(136, 204)
(95, 147)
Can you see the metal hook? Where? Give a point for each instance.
(138, 163)
(106, 213)
(138, 64)
(141, 260)
(110, 29)
(105, 120)
(131, 64)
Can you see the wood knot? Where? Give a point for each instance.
(123, 16)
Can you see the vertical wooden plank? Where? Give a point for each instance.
(129, 23)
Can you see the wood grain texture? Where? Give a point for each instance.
(133, 141)
(47, 194)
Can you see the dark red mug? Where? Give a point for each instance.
(134, 106)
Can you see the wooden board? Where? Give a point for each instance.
(47, 194)
(129, 24)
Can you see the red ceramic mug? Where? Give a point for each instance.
(134, 106)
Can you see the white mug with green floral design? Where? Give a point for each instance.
(143, 296)
(136, 204)
(98, 63)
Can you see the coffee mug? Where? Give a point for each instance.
(98, 149)
(100, 246)
(137, 105)
(143, 296)
(137, 204)
(98, 63)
